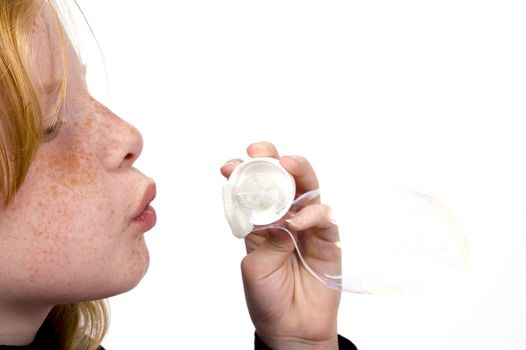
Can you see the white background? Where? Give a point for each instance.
(426, 93)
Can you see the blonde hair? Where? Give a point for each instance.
(79, 326)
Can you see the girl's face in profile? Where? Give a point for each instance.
(70, 234)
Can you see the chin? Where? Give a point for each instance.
(136, 271)
(127, 277)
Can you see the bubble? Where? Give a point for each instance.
(399, 240)
(393, 240)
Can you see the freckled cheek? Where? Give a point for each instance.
(63, 249)
(45, 262)
(81, 221)
(71, 232)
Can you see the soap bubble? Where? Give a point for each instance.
(398, 241)
(394, 240)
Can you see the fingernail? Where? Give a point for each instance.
(229, 163)
(295, 158)
(295, 220)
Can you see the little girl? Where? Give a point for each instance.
(74, 210)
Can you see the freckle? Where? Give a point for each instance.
(37, 232)
(89, 123)
(32, 276)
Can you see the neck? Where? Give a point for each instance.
(20, 324)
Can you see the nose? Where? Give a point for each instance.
(134, 143)
(124, 144)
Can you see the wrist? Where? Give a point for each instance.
(295, 343)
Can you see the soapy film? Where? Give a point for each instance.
(396, 241)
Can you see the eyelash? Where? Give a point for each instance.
(51, 131)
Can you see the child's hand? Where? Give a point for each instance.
(288, 306)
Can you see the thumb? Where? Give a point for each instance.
(269, 256)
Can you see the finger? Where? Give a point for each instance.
(302, 171)
(262, 149)
(316, 215)
(229, 166)
(269, 256)
(254, 240)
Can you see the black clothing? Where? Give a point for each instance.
(46, 339)
(343, 344)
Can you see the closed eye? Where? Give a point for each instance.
(51, 131)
